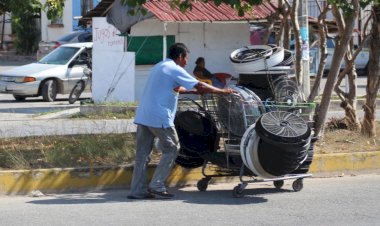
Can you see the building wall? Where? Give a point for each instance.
(50, 32)
(113, 69)
(6, 33)
(213, 41)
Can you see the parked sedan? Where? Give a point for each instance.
(361, 61)
(73, 37)
(57, 72)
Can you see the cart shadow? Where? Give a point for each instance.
(226, 197)
(210, 197)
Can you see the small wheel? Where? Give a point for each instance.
(278, 184)
(298, 185)
(202, 185)
(237, 192)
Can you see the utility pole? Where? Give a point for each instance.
(304, 30)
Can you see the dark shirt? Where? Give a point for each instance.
(205, 73)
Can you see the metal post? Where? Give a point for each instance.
(304, 29)
(165, 48)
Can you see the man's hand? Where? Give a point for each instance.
(230, 91)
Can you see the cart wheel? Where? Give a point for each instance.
(237, 192)
(298, 185)
(202, 184)
(278, 184)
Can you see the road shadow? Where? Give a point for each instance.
(212, 197)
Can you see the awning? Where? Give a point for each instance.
(206, 12)
(162, 10)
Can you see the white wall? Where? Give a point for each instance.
(52, 33)
(213, 41)
(7, 27)
(113, 68)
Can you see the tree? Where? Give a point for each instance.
(54, 8)
(24, 25)
(346, 20)
(373, 79)
(5, 6)
(322, 31)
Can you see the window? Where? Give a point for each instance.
(148, 49)
(58, 22)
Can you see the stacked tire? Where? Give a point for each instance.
(198, 135)
(277, 144)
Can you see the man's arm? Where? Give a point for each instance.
(201, 88)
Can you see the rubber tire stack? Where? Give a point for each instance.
(197, 135)
(283, 145)
(285, 140)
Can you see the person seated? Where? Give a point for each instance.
(201, 73)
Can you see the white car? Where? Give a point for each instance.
(55, 73)
(361, 60)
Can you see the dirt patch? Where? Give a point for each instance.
(346, 141)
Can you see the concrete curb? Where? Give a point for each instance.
(66, 113)
(84, 179)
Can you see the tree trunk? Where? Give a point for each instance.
(373, 80)
(349, 100)
(322, 30)
(338, 55)
(297, 36)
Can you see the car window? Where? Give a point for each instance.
(87, 37)
(67, 38)
(60, 56)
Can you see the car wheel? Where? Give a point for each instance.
(49, 90)
(19, 97)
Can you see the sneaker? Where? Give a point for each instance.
(146, 196)
(163, 194)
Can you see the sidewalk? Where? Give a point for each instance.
(51, 127)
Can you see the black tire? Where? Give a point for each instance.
(203, 184)
(49, 90)
(189, 162)
(237, 192)
(304, 167)
(278, 184)
(19, 97)
(283, 127)
(76, 92)
(297, 185)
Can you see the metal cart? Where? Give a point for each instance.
(232, 118)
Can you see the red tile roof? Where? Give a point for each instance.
(207, 11)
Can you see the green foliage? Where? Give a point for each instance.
(24, 13)
(24, 25)
(347, 7)
(66, 151)
(54, 9)
(5, 6)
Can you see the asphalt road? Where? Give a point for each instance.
(348, 200)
